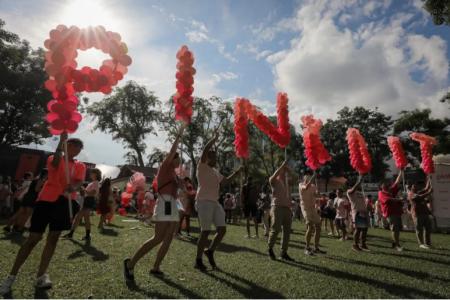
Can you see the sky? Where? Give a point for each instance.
(324, 54)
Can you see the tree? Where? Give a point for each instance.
(420, 121)
(23, 98)
(128, 115)
(156, 157)
(372, 124)
(439, 11)
(445, 98)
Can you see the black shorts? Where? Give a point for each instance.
(89, 203)
(29, 202)
(54, 214)
(250, 210)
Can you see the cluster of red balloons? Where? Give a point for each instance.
(359, 155)
(135, 184)
(65, 79)
(315, 152)
(426, 150)
(244, 111)
(396, 147)
(183, 99)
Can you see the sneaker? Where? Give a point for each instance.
(210, 255)
(330, 234)
(309, 252)
(399, 249)
(7, 229)
(285, 256)
(44, 282)
(317, 250)
(127, 272)
(423, 246)
(365, 248)
(5, 288)
(246, 236)
(356, 248)
(199, 265)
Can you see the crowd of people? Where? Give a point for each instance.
(348, 214)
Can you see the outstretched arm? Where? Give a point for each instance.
(174, 148)
(308, 184)
(357, 184)
(208, 146)
(229, 178)
(59, 149)
(278, 171)
(399, 177)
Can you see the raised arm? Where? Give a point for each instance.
(229, 178)
(278, 171)
(208, 146)
(59, 150)
(399, 177)
(357, 184)
(174, 148)
(308, 184)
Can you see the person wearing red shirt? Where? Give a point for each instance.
(392, 208)
(52, 210)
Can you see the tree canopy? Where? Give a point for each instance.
(23, 98)
(129, 115)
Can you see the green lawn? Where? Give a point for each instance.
(80, 271)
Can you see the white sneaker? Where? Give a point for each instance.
(399, 249)
(5, 288)
(44, 282)
(423, 246)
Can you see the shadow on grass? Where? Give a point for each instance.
(187, 293)
(114, 225)
(14, 238)
(97, 255)
(41, 293)
(396, 290)
(148, 293)
(411, 273)
(252, 290)
(109, 232)
(223, 247)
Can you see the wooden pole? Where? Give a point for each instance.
(69, 196)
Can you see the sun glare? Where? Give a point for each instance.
(83, 13)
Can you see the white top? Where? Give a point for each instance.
(341, 210)
(208, 183)
(93, 188)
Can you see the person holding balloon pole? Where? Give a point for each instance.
(360, 216)
(52, 210)
(280, 212)
(210, 212)
(165, 215)
(307, 190)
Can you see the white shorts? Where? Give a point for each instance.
(166, 209)
(210, 212)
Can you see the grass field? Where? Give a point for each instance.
(80, 271)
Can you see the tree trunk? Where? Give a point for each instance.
(139, 157)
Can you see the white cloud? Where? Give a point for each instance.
(328, 67)
(225, 76)
(197, 36)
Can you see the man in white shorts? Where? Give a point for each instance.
(207, 204)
